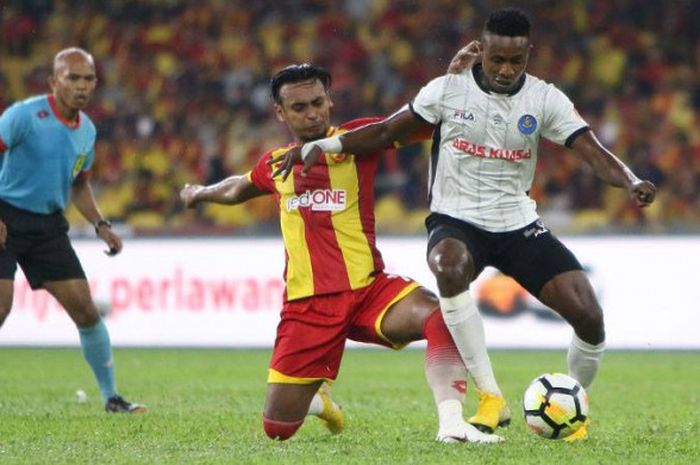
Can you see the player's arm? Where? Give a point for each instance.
(367, 139)
(3, 235)
(84, 200)
(231, 191)
(611, 169)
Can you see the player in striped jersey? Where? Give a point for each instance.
(488, 122)
(336, 287)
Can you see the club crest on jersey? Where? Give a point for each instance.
(527, 124)
(79, 163)
(323, 200)
(338, 157)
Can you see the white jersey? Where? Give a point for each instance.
(484, 161)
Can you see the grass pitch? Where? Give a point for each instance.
(205, 408)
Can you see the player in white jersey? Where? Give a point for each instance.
(488, 123)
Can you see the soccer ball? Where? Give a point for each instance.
(555, 405)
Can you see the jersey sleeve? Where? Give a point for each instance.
(562, 123)
(428, 103)
(359, 122)
(261, 174)
(14, 125)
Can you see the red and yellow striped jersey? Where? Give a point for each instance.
(327, 219)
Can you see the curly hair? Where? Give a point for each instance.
(511, 22)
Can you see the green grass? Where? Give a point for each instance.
(205, 409)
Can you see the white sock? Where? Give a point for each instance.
(584, 359)
(450, 414)
(464, 321)
(316, 406)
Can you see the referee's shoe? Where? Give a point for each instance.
(117, 404)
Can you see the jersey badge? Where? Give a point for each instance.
(41, 114)
(527, 124)
(338, 157)
(79, 163)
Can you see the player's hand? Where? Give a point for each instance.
(188, 194)
(3, 235)
(643, 192)
(465, 58)
(287, 160)
(112, 239)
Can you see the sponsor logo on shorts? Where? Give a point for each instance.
(319, 200)
(527, 124)
(535, 231)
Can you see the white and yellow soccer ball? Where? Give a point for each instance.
(555, 405)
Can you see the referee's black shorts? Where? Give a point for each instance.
(40, 245)
(531, 255)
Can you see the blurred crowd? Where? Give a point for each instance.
(183, 96)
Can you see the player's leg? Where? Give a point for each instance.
(395, 312)
(286, 406)
(74, 296)
(550, 271)
(571, 295)
(456, 260)
(308, 349)
(8, 267)
(53, 265)
(6, 295)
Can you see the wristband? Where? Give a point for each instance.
(327, 145)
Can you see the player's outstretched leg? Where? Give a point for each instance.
(571, 295)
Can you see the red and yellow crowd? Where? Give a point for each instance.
(183, 96)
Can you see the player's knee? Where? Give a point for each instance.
(590, 326)
(86, 316)
(280, 430)
(450, 269)
(4, 311)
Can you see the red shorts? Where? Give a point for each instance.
(311, 336)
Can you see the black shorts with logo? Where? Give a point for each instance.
(530, 255)
(40, 244)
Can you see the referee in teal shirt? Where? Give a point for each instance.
(47, 146)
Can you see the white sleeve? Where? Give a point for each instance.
(428, 102)
(561, 120)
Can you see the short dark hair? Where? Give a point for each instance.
(297, 73)
(511, 22)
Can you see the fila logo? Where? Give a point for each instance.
(323, 200)
(464, 115)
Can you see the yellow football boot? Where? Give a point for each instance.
(491, 413)
(332, 415)
(580, 434)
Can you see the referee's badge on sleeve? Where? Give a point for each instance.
(79, 163)
(527, 124)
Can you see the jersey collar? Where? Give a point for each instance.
(54, 108)
(477, 71)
